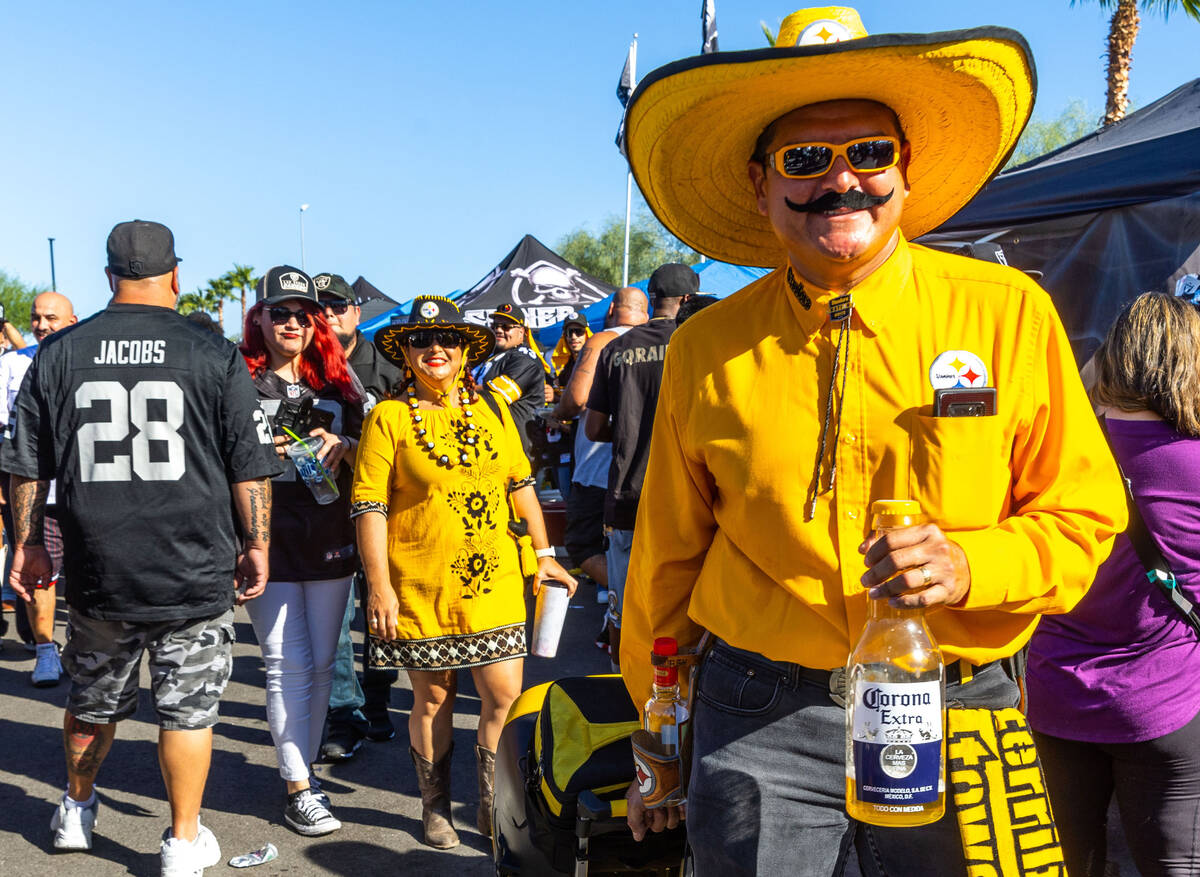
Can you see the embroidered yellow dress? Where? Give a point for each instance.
(452, 562)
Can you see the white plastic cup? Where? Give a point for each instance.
(548, 616)
(312, 471)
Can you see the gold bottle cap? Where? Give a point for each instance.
(906, 507)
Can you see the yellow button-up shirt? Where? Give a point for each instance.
(1031, 494)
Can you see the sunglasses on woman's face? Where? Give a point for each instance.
(446, 339)
(280, 315)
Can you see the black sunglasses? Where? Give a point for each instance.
(338, 305)
(280, 315)
(447, 339)
(573, 331)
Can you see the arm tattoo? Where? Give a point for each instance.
(584, 366)
(258, 528)
(28, 509)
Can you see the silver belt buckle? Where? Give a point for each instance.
(837, 686)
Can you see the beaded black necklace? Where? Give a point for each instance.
(466, 437)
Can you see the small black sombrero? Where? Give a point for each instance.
(434, 312)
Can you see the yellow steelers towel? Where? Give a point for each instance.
(1003, 810)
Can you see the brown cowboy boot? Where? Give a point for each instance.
(487, 788)
(434, 780)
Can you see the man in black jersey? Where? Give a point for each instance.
(151, 426)
(515, 371)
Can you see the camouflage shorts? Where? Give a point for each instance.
(190, 663)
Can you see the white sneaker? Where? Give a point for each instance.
(181, 858)
(48, 669)
(72, 826)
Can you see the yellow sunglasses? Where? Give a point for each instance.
(802, 161)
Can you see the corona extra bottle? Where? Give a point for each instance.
(666, 712)
(895, 708)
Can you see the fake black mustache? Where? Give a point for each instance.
(854, 199)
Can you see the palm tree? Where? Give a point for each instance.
(192, 301)
(242, 278)
(220, 290)
(1122, 31)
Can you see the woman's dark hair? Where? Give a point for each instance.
(322, 362)
(1150, 360)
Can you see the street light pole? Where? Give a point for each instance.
(53, 281)
(303, 207)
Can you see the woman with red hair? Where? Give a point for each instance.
(297, 365)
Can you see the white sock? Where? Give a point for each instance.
(71, 802)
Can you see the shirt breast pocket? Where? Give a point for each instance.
(960, 470)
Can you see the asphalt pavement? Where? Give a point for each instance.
(374, 794)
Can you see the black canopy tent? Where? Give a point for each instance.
(539, 281)
(370, 299)
(1112, 215)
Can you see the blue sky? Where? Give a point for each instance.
(427, 137)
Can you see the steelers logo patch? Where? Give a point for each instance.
(958, 368)
(822, 32)
(429, 310)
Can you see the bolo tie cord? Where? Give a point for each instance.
(840, 310)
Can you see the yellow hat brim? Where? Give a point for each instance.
(962, 97)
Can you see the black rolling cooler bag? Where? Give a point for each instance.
(563, 765)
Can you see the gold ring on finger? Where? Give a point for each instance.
(927, 576)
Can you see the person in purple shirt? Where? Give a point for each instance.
(1114, 685)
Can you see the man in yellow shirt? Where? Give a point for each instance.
(787, 408)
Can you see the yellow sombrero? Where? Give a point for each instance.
(963, 97)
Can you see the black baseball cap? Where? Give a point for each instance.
(283, 282)
(333, 286)
(673, 280)
(138, 249)
(575, 319)
(508, 312)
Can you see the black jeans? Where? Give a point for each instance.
(1157, 784)
(768, 782)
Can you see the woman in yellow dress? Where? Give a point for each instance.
(436, 471)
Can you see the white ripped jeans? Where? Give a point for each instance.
(297, 625)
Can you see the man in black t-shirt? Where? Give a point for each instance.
(153, 431)
(621, 410)
(516, 372)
